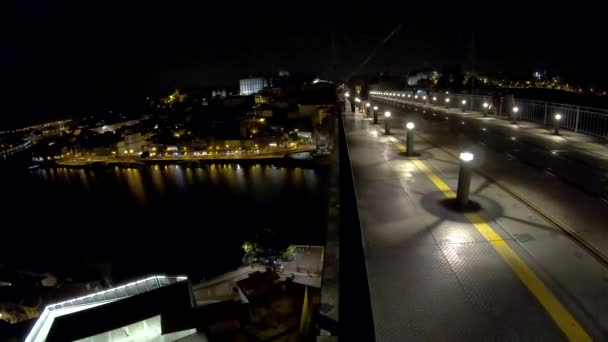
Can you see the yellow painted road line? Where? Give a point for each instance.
(560, 315)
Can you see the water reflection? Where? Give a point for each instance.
(135, 184)
(258, 180)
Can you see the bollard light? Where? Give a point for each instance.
(357, 99)
(556, 119)
(387, 128)
(467, 156)
(485, 105)
(416, 96)
(347, 94)
(409, 139)
(464, 180)
(424, 97)
(447, 102)
(375, 114)
(486, 108)
(434, 98)
(367, 105)
(464, 102)
(514, 118)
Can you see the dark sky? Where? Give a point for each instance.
(69, 59)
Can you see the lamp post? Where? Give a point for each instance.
(464, 180)
(556, 120)
(514, 115)
(357, 108)
(409, 139)
(387, 128)
(464, 103)
(447, 102)
(367, 109)
(486, 106)
(375, 114)
(424, 98)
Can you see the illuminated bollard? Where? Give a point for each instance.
(409, 139)
(367, 109)
(556, 120)
(447, 102)
(387, 128)
(464, 105)
(514, 115)
(375, 115)
(486, 107)
(464, 180)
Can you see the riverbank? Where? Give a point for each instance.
(317, 160)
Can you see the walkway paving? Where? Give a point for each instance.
(567, 192)
(437, 274)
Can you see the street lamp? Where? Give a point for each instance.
(409, 139)
(387, 128)
(375, 114)
(347, 95)
(514, 115)
(464, 102)
(367, 109)
(434, 98)
(464, 180)
(409, 95)
(556, 120)
(447, 102)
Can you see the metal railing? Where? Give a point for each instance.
(587, 120)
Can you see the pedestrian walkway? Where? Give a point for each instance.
(567, 192)
(439, 274)
(593, 147)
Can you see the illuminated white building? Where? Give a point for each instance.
(248, 86)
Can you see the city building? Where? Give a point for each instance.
(151, 309)
(248, 86)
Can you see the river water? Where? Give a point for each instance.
(126, 222)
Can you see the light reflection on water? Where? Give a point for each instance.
(257, 179)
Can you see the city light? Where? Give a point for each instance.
(387, 114)
(466, 156)
(410, 125)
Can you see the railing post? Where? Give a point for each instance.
(577, 117)
(545, 119)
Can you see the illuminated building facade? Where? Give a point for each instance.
(248, 86)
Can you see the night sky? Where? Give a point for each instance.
(63, 60)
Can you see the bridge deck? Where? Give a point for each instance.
(437, 274)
